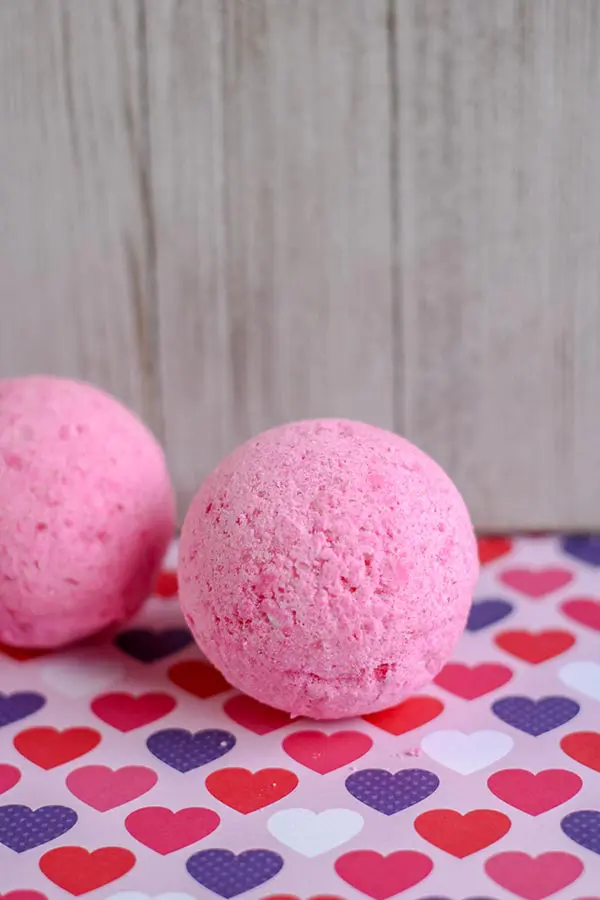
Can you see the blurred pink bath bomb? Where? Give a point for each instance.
(86, 511)
(327, 568)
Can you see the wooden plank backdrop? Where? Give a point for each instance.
(232, 213)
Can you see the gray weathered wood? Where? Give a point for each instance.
(75, 248)
(498, 198)
(185, 78)
(233, 214)
(269, 126)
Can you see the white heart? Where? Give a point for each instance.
(137, 895)
(583, 676)
(311, 833)
(467, 753)
(171, 559)
(80, 674)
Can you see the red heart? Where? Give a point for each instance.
(470, 682)
(166, 584)
(491, 548)
(78, 871)
(49, 747)
(380, 876)
(9, 776)
(408, 715)
(165, 831)
(255, 716)
(534, 878)
(248, 791)
(23, 895)
(534, 793)
(536, 582)
(104, 789)
(326, 752)
(583, 610)
(22, 654)
(584, 747)
(126, 712)
(462, 835)
(198, 678)
(535, 647)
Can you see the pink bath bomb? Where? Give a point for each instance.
(327, 568)
(86, 511)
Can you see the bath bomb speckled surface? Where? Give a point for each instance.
(327, 568)
(86, 511)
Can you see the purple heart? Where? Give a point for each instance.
(228, 875)
(583, 827)
(185, 751)
(389, 792)
(18, 706)
(586, 548)
(149, 646)
(487, 612)
(535, 717)
(22, 828)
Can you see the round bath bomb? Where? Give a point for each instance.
(86, 511)
(327, 568)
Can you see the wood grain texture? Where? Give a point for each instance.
(233, 214)
(269, 125)
(74, 243)
(185, 81)
(498, 193)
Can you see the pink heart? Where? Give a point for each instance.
(531, 877)
(256, 717)
(23, 895)
(104, 789)
(126, 712)
(471, 682)
(536, 582)
(584, 610)
(165, 831)
(9, 776)
(381, 877)
(324, 753)
(534, 793)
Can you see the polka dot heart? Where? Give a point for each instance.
(131, 770)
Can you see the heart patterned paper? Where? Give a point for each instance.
(131, 770)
